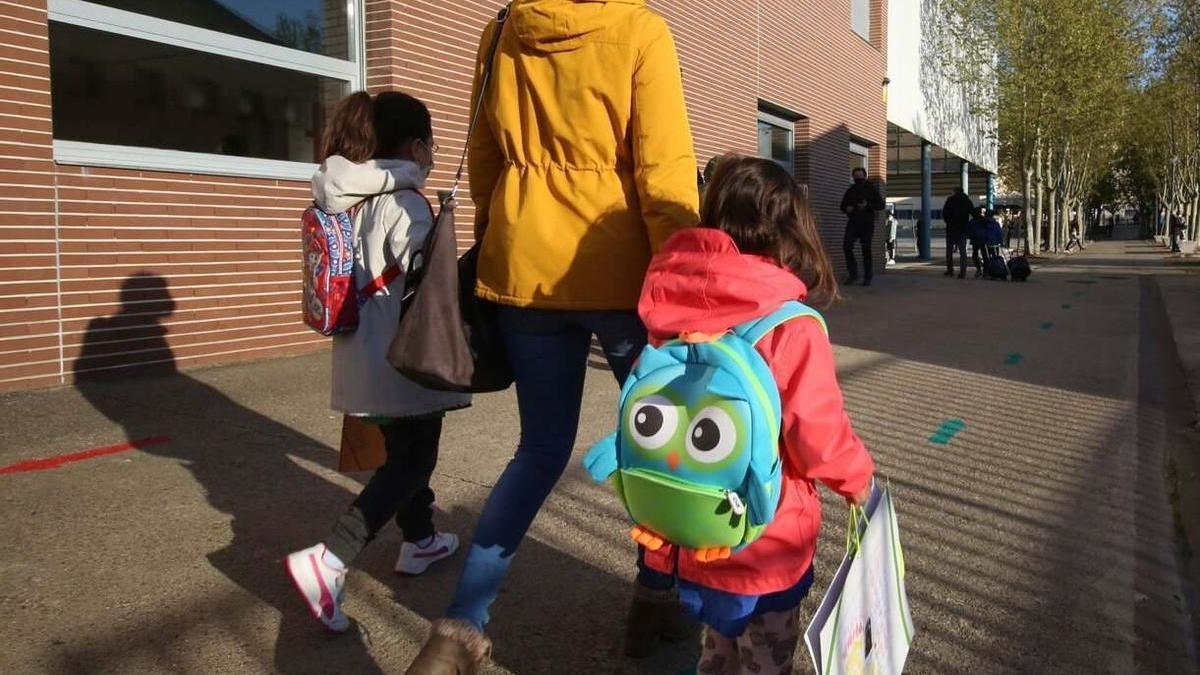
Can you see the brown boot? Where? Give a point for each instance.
(654, 617)
(454, 647)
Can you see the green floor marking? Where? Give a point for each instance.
(1013, 359)
(1047, 326)
(947, 432)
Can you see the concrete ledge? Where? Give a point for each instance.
(1183, 310)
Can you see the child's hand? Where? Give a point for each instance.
(862, 497)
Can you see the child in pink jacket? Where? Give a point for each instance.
(758, 247)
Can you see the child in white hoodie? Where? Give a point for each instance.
(378, 154)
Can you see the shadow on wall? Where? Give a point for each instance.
(251, 469)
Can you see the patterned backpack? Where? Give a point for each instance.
(331, 300)
(695, 458)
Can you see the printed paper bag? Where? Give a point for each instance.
(863, 626)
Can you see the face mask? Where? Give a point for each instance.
(427, 169)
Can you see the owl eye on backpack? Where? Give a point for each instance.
(695, 458)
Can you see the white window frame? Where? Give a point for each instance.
(143, 27)
(788, 126)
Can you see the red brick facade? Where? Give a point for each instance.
(227, 246)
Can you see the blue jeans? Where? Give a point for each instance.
(548, 351)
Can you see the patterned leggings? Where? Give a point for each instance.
(766, 648)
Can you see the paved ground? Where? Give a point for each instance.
(1039, 540)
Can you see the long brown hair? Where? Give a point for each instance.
(364, 127)
(757, 203)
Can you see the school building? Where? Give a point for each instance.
(941, 134)
(155, 156)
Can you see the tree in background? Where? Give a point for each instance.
(1061, 77)
(300, 33)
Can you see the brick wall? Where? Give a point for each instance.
(85, 246)
(79, 242)
(805, 59)
(29, 316)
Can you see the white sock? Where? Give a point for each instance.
(332, 560)
(427, 541)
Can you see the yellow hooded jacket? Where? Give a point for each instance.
(582, 164)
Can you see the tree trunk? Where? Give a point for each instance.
(1194, 234)
(1052, 217)
(1027, 210)
(1065, 216)
(1193, 217)
(1035, 225)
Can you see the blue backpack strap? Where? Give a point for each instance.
(756, 329)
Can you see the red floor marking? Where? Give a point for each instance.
(47, 463)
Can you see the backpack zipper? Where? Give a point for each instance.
(735, 502)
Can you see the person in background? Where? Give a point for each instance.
(957, 214)
(1075, 242)
(1177, 230)
(860, 204)
(994, 230)
(581, 167)
(893, 225)
(978, 232)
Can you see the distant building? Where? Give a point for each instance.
(929, 114)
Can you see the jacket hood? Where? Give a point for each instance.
(701, 282)
(561, 25)
(340, 184)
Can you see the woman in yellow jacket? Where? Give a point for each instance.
(581, 167)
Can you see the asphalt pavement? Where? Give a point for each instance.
(1042, 537)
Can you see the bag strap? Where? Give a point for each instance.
(501, 20)
(755, 330)
(417, 259)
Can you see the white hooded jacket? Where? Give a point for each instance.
(392, 223)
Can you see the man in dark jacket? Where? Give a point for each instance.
(957, 214)
(860, 204)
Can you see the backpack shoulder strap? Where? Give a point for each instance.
(755, 330)
(429, 204)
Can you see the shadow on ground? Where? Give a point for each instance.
(1037, 540)
(253, 469)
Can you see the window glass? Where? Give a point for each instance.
(112, 89)
(860, 17)
(316, 26)
(857, 161)
(777, 143)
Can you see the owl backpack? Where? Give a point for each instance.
(695, 458)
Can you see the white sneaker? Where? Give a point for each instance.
(415, 559)
(321, 586)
